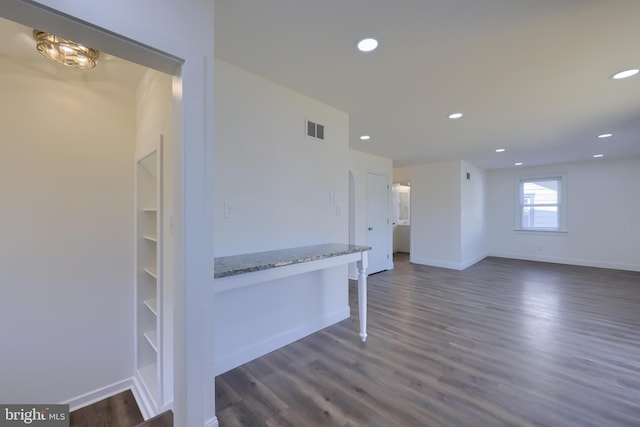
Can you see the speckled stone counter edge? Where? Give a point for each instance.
(247, 263)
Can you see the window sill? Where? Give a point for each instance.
(540, 231)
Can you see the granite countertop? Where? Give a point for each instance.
(246, 263)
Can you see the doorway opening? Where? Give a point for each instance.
(401, 196)
(67, 177)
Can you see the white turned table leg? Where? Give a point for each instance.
(362, 295)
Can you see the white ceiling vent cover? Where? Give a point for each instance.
(314, 130)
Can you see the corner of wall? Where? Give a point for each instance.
(101, 393)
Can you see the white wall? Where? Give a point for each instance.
(602, 215)
(435, 213)
(473, 214)
(276, 184)
(66, 251)
(447, 213)
(154, 117)
(276, 181)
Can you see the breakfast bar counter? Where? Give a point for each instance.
(236, 271)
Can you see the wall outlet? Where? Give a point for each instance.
(227, 210)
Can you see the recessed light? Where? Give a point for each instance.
(597, 156)
(605, 135)
(367, 45)
(625, 74)
(500, 150)
(365, 137)
(517, 164)
(455, 115)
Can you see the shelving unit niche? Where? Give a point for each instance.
(149, 276)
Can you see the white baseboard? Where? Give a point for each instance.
(471, 262)
(254, 351)
(436, 263)
(211, 422)
(568, 261)
(527, 257)
(140, 393)
(99, 394)
(446, 264)
(143, 398)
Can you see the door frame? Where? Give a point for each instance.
(388, 226)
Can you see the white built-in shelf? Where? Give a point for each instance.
(149, 374)
(152, 339)
(151, 273)
(149, 312)
(152, 305)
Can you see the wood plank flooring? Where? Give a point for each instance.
(503, 343)
(120, 410)
(164, 419)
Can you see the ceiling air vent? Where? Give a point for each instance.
(315, 130)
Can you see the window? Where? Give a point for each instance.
(541, 204)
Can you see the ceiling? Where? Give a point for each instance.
(530, 76)
(18, 46)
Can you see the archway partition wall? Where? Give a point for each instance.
(185, 52)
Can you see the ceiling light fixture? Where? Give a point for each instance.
(605, 135)
(518, 164)
(597, 156)
(367, 45)
(454, 116)
(64, 51)
(625, 74)
(500, 150)
(365, 137)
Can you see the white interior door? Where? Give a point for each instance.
(378, 227)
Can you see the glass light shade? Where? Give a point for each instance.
(367, 45)
(625, 74)
(64, 51)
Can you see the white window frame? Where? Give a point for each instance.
(561, 205)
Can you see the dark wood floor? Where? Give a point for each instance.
(503, 343)
(120, 410)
